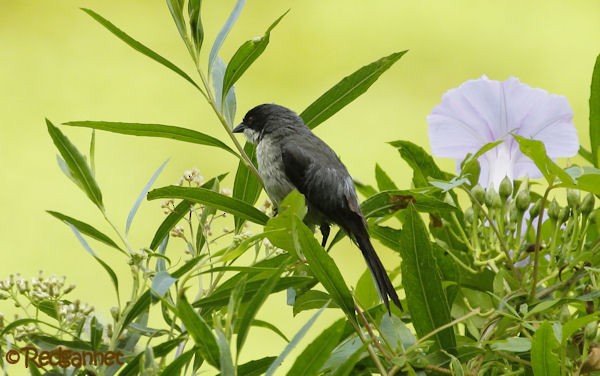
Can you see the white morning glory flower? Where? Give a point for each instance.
(483, 111)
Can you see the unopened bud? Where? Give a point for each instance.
(563, 214)
(587, 205)
(505, 189)
(479, 194)
(553, 210)
(573, 198)
(523, 200)
(469, 215)
(513, 215)
(564, 315)
(535, 209)
(490, 197)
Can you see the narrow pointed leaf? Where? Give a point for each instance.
(309, 362)
(246, 186)
(78, 167)
(93, 153)
(254, 367)
(200, 331)
(384, 182)
(177, 365)
(425, 295)
(172, 219)
(271, 327)
(161, 282)
(175, 7)
(312, 299)
(226, 105)
(225, 361)
(536, 150)
(302, 242)
(254, 305)
(544, 351)
(293, 343)
(245, 56)
(142, 195)
(595, 114)
(207, 197)
(216, 47)
(155, 130)
(86, 229)
(388, 202)
(420, 162)
(347, 90)
(109, 271)
(139, 46)
(195, 13)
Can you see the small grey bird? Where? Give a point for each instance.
(291, 157)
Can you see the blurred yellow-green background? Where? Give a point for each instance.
(56, 62)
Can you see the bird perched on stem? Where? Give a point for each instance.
(291, 157)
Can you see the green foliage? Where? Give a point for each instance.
(490, 289)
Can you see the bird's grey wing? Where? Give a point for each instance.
(321, 177)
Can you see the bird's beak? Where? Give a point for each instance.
(240, 128)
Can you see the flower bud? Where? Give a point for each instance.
(564, 315)
(523, 200)
(505, 189)
(573, 198)
(469, 215)
(513, 215)
(553, 210)
(479, 194)
(490, 196)
(587, 205)
(535, 209)
(563, 214)
(497, 203)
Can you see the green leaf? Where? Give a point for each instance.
(271, 327)
(317, 352)
(176, 9)
(246, 186)
(107, 268)
(233, 16)
(364, 189)
(303, 242)
(384, 183)
(388, 236)
(139, 307)
(139, 46)
(586, 154)
(536, 150)
(220, 297)
(177, 365)
(544, 346)
(226, 361)
(470, 168)
(350, 360)
(154, 130)
(254, 367)
(133, 366)
(200, 331)
(228, 106)
(142, 195)
(195, 13)
(595, 113)
(93, 153)
(420, 162)
(347, 90)
(427, 302)
(245, 56)
(366, 292)
(78, 168)
(161, 282)
(312, 299)
(572, 326)
(169, 222)
(258, 299)
(293, 343)
(85, 229)
(96, 330)
(209, 198)
(389, 202)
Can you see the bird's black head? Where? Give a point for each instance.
(267, 118)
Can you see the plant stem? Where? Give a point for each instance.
(538, 240)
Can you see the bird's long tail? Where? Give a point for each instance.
(384, 285)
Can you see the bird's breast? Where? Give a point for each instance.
(272, 171)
